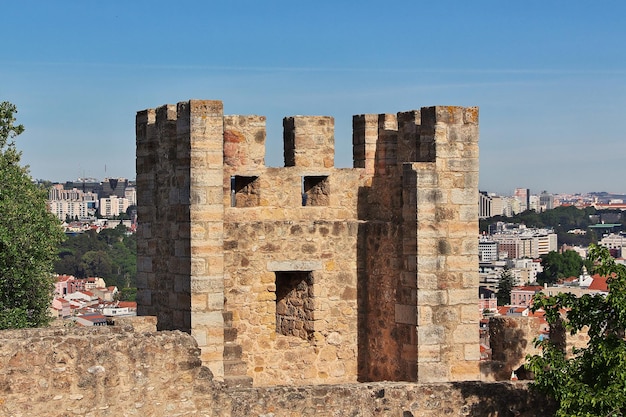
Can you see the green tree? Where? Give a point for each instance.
(557, 266)
(96, 264)
(29, 236)
(592, 380)
(506, 282)
(118, 264)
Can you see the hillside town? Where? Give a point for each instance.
(91, 205)
(513, 250)
(88, 204)
(88, 302)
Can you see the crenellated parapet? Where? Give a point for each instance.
(309, 273)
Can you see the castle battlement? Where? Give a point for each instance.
(308, 273)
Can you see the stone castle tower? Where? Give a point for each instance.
(308, 273)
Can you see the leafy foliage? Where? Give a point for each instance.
(110, 254)
(29, 236)
(557, 266)
(506, 282)
(592, 380)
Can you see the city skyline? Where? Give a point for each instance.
(549, 80)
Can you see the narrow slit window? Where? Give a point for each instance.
(244, 191)
(315, 191)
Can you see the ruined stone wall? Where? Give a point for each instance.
(180, 267)
(513, 338)
(309, 273)
(290, 244)
(115, 371)
(421, 265)
(444, 197)
(387, 344)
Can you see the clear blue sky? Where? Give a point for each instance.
(549, 77)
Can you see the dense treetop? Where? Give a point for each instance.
(110, 254)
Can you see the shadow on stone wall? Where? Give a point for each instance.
(504, 399)
(511, 339)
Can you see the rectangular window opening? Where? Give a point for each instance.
(244, 191)
(294, 304)
(315, 191)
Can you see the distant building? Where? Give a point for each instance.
(114, 187)
(61, 308)
(521, 242)
(491, 205)
(86, 185)
(487, 250)
(120, 309)
(523, 196)
(81, 199)
(525, 270)
(113, 206)
(131, 195)
(72, 203)
(523, 296)
(91, 319)
(614, 243)
(488, 301)
(546, 201)
(533, 203)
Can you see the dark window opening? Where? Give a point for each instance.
(315, 191)
(294, 304)
(244, 191)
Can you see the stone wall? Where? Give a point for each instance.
(121, 370)
(513, 338)
(387, 249)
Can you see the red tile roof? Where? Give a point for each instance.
(129, 304)
(63, 278)
(533, 288)
(599, 284)
(503, 310)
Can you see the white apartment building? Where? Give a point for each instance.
(130, 193)
(525, 243)
(113, 206)
(72, 203)
(487, 250)
(526, 269)
(614, 241)
(490, 205)
(546, 243)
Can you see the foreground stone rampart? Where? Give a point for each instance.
(123, 371)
